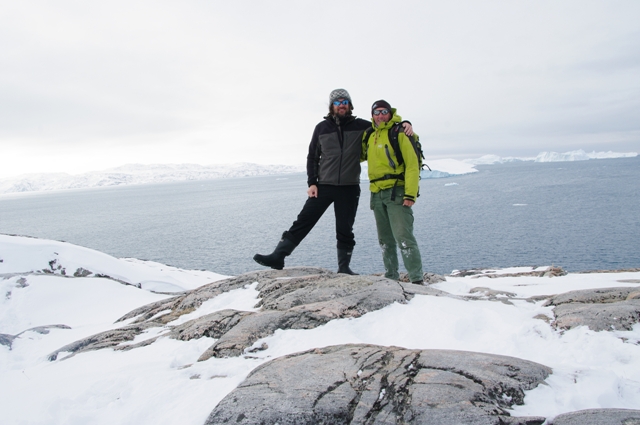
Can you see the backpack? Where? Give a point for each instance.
(395, 145)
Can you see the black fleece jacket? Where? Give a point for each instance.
(334, 151)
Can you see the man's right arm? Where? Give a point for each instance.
(313, 158)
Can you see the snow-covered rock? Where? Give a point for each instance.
(30, 256)
(150, 373)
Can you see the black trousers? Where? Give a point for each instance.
(345, 205)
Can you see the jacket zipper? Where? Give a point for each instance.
(391, 163)
(341, 141)
(386, 149)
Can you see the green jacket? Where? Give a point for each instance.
(380, 157)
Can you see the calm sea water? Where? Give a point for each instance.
(578, 215)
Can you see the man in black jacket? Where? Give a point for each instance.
(333, 176)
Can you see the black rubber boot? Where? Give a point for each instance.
(344, 258)
(275, 260)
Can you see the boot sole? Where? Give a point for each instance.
(267, 265)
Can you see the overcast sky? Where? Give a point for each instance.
(91, 85)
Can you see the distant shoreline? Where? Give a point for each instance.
(139, 174)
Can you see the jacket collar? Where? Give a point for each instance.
(340, 121)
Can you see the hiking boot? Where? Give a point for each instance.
(344, 258)
(418, 282)
(275, 260)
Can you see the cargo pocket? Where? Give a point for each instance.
(399, 195)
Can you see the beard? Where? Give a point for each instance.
(343, 112)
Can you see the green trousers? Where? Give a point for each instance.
(395, 228)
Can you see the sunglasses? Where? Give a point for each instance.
(380, 112)
(341, 102)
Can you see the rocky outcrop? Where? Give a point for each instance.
(599, 417)
(360, 384)
(109, 339)
(552, 271)
(599, 309)
(7, 340)
(366, 384)
(306, 297)
(293, 298)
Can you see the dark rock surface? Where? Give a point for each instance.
(599, 417)
(6, 339)
(552, 271)
(595, 296)
(599, 309)
(367, 384)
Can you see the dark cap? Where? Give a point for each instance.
(380, 104)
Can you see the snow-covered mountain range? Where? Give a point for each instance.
(133, 174)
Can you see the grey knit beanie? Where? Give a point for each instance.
(339, 94)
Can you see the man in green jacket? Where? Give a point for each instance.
(394, 190)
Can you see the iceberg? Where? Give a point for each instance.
(495, 159)
(439, 168)
(577, 155)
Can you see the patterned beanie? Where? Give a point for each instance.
(339, 94)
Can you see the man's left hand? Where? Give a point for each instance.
(408, 128)
(408, 203)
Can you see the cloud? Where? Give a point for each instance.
(94, 85)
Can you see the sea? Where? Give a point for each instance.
(579, 215)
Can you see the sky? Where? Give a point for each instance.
(92, 85)
(163, 383)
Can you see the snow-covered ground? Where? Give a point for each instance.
(163, 383)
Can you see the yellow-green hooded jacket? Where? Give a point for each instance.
(382, 160)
